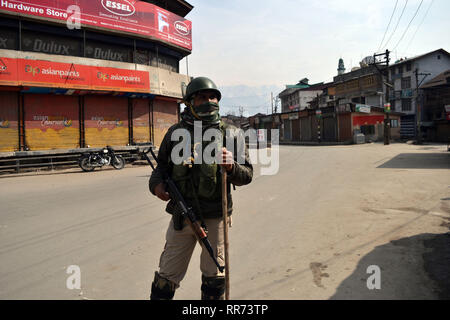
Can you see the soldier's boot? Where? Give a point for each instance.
(162, 288)
(213, 288)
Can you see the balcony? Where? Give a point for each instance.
(407, 93)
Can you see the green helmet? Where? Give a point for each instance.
(198, 84)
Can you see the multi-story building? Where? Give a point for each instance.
(95, 74)
(297, 97)
(360, 86)
(436, 108)
(406, 76)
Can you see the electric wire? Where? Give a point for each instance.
(398, 22)
(390, 20)
(418, 27)
(406, 30)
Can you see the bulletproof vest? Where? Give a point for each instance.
(198, 182)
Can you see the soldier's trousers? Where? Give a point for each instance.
(180, 245)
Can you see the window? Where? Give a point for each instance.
(394, 123)
(439, 57)
(408, 66)
(406, 105)
(406, 83)
(369, 129)
(392, 102)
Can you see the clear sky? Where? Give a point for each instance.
(262, 42)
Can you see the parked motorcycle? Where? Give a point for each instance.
(91, 160)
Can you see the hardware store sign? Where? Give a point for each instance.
(131, 16)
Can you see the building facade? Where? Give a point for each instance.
(109, 77)
(406, 76)
(435, 124)
(297, 97)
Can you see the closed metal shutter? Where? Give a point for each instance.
(296, 130)
(314, 128)
(345, 127)
(287, 130)
(51, 121)
(141, 121)
(306, 129)
(329, 129)
(165, 115)
(9, 129)
(106, 121)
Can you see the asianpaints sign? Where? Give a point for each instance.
(106, 122)
(54, 122)
(39, 73)
(130, 16)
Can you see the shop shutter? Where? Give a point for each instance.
(9, 129)
(305, 126)
(105, 121)
(345, 127)
(141, 121)
(329, 129)
(51, 121)
(296, 130)
(314, 128)
(287, 130)
(165, 115)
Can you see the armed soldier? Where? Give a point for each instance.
(200, 185)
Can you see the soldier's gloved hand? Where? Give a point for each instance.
(160, 191)
(227, 159)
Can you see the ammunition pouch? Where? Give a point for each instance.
(178, 221)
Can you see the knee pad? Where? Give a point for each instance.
(213, 288)
(162, 288)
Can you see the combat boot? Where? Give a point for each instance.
(162, 289)
(213, 288)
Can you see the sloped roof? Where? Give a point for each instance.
(442, 79)
(420, 56)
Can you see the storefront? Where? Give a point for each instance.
(9, 124)
(106, 121)
(63, 88)
(51, 121)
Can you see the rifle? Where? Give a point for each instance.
(187, 212)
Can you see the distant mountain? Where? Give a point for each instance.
(253, 99)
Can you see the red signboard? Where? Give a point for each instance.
(39, 73)
(367, 120)
(131, 16)
(8, 72)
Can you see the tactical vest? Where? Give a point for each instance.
(199, 182)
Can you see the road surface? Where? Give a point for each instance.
(311, 231)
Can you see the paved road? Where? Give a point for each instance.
(308, 232)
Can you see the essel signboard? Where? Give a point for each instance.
(131, 16)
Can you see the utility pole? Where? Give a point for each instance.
(418, 105)
(271, 100)
(387, 109)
